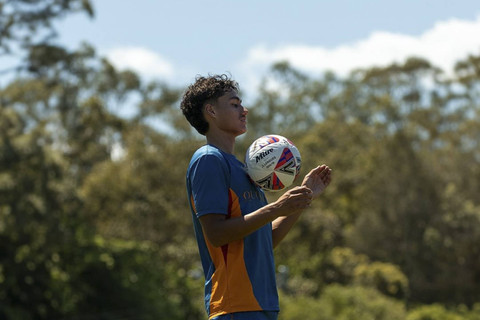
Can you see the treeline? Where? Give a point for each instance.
(94, 220)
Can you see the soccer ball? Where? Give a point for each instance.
(273, 162)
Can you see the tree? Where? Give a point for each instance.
(58, 130)
(397, 137)
(27, 25)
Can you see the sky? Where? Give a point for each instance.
(174, 41)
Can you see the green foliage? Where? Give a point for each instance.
(399, 195)
(342, 264)
(342, 303)
(433, 312)
(54, 260)
(385, 277)
(129, 279)
(59, 257)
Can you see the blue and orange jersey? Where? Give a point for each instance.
(239, 276)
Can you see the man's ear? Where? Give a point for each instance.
(210, 110)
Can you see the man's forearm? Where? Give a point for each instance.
(282, 225)
(220, 230)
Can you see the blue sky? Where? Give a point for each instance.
(176, 40)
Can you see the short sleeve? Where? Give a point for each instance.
(209, 183)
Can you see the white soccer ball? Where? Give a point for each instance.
(273, 162)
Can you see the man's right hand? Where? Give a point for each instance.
(297, 198)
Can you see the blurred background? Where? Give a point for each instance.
(94, 218)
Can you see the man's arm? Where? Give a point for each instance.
(282, 225)
(316, 180)
(219, 230)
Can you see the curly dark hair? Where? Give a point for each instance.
(203, 90)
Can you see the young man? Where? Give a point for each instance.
(235, 227)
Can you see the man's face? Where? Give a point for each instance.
(229, 113)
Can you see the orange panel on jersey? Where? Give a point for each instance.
(231, 287)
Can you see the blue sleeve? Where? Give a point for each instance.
(210, 183)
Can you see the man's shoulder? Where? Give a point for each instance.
(207, 151)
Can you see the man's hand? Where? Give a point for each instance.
(297, 198)
(318, 179)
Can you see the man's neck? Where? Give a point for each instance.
(223, 142)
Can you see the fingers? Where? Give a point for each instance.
(300, 190)
(322, 171)
(301, 196)
(326, 175)
(317, 170)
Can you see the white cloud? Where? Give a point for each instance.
(143, 61)
(443, 45)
